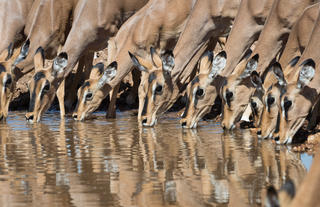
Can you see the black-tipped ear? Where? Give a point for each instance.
(256, 80)
(25, 48)
(156, 60)
(167, 61)
(252, 65)
(59, 63)
(218, 64)
(246, 55)
(294, 61)
(108, 74)
(222, 54)
(255, 57)
(277, 71)
(114, 64)
(209, 55)
(136, 62)
(100, 67)
(306, 73)
(63, 55)
(23, 53)
(38, 58)
(10, 51)
(205, 62)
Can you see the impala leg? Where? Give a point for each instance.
(60, 96)
(112, 106)
(131, 98)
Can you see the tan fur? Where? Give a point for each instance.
(270, 42)
(245, 30)
(42, 87)
(138, 34)
(306, 96)
(109, 14)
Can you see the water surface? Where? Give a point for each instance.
(115, 163)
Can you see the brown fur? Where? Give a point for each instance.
(94, 36)
(282, 16)
(141, 32)
(306, 96)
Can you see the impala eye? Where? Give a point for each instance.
(158, 89)
(46, 88)
(270, 100)
(253, 104)
(287, 104)
(200, 92)
(89, 96)
(229, 96)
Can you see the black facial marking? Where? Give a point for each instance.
(152, 77)
(270, 101)
(38, 76)
(87, 83)
(229, 96)
(145, 106)
(8, 81)
(2, 68)
(195, 80)
(32, 101)
(287, 104)
(184, 115)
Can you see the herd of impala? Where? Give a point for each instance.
(266, 74)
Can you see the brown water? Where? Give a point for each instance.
(115, 163)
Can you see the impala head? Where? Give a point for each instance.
(269, 123)
(201, 91)
(236, 93)
(297, 102)
(8, 60)
(156, 85)
(43, 85)
(91, 93)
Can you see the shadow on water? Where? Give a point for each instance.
(115, 163)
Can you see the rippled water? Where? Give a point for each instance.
(115, 163)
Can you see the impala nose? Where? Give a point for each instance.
(144, 121)
(28, 118)
(74, 116)
(184, 124)
(259, 132)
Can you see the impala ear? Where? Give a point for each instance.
(277, 71)
(108, 75)
(306, 73)
(38, 59)
(167, 62)
(96, 71)
(156, 59)
(218, 64)
(205, 63)
(256, 80)
(252, 65)
(23, 52)
(59, 63)
(137, 64)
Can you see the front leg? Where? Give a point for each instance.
(60, 95)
